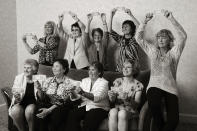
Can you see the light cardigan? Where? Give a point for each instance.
(163, 69)
(19, 86)
(100, 92)
(75, 50)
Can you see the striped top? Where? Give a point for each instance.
(128, 49)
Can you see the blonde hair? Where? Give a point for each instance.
(168, 33)
(53, 25)
(136, 67)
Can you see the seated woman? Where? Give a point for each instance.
(94, 101)
(23, 105)
(47, 45)
(164, 58)
(127, 43)
(75, 43)
(97, 41)
(55, 96)
(125, 94)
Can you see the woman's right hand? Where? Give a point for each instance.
(148, 17)
(112, 95)
(61, 17)
(113, 11)
(17, 97)
(90, 17)
(24, 38)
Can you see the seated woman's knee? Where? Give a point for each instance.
(122, 115)
(16, 111)
(30, 111)
(113, 113)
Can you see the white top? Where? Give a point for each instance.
(100, 92)
(163, 68)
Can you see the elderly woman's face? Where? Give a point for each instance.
(127, 69)
(29, 70)
(126, 29)
(58, 69)
(75, 31)
(48, 29)
(163, 41)
(93, 72)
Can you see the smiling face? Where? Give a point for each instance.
(97, 36)
(128, 69)
(48, 29)
(126, 29)
(76, 31)
(93, 73)
(58, 69)
(29, 70)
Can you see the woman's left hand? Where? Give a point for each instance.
(167, 14)
(35, 38)
(43, 112)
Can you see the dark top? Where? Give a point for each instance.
(29, 97)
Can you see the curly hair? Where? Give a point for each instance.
(136, 67)
(64, 63)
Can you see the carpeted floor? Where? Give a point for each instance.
(3, 122)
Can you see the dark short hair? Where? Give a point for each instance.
(136, 67)
(99, 30)
(76, 25)
(32, 62)
(132, 25)
(64, 63)
(99, 67)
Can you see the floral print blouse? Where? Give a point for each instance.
(128, 91)
(58, 92)
(49, 52)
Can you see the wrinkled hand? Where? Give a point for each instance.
(73, 15)
(24, 38)
(79, 90)
(37, 85)
(61, 17)
(43, 113)
(148, 17)
(128, 11)
(113, 11)
(35, 38)
(103, 17)
(112, 95)
(90, 17)
(167, 14)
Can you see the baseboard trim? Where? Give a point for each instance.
(188, 118)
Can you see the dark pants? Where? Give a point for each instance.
(155, 96)
(91, 119)
(54, 121)
(73, 66)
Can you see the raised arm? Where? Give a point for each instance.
(88, 36)
(113, 11)
(60, 28)
(136, 22)
(33, 50)
(182, 36)
(140, 33)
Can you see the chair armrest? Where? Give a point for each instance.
(7, 95)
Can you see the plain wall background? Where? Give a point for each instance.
(8, 45)
(31, 16)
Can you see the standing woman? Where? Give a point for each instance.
(94, 101)
(127, 43)
(164, 58)
(97, 47)
(23, 105)
(47, 45)
(76, 53)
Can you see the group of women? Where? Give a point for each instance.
(58, 93)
